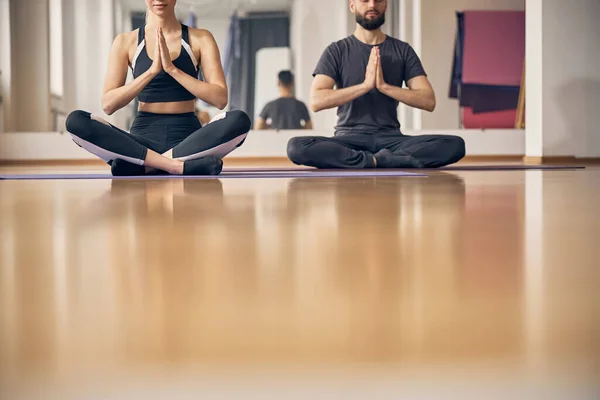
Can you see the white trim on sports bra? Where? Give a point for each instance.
(190, 53)
(138, 51)
(142, 44)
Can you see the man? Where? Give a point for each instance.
(369, 69)
(286, 112)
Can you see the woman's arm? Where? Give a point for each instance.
(116, 94)
(214, 90)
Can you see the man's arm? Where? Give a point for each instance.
(323, 96)
(263, 117)
(419, 94)
(308, 125)
(260, 124)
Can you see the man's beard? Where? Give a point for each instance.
(370, 24)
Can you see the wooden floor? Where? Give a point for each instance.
(456, 285)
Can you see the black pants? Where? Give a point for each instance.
(158, 132)
(357, 150)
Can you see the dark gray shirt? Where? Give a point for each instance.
(285, 113)
(346, 62)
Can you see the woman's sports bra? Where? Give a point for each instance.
(164, 88)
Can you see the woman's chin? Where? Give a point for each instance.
(159, 11)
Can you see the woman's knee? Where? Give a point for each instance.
(77, 122)
(240, 119)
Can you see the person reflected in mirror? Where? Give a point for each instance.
(286, 112)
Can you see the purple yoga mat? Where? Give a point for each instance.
(475, 167)
(226, 174)
(299, 172)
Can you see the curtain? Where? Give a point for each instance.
(246, 37)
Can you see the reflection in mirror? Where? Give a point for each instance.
(278, 106)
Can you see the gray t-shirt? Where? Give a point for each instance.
(345, 61)
(285, 113)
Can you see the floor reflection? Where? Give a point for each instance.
(413, 271)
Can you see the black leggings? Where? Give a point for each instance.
(182, 133)
(357, 150)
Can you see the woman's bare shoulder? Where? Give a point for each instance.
(126, 43)
(127, 39)
(202, 35)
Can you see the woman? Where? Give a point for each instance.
(166, 134)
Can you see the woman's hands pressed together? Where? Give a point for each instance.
(165, 56)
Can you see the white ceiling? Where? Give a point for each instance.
(218, 8)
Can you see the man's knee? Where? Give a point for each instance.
(78, 122)
(457, 144)
(296, 150)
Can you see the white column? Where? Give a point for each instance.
(416, 44)
(533, 72)
(30, 86)
(405, 20)
(93, 41)
(5, 70)
(69, 57)
(56, 48)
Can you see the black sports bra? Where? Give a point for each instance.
(164, 88)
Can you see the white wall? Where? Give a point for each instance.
(259, 144)
(438, 33)
(563, 78)
(314, 25)
(571, 78)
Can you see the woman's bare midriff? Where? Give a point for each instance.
(177, 107)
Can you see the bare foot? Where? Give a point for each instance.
(177, 168)
(168, 153)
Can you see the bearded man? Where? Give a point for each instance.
(362, 75)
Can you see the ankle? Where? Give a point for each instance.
(176, 168)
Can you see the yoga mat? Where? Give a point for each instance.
(507, 167)
(504, 119)
(487, 66)
(297, 172)
(228, 174)
(474, 167)
(485, 99)
(494, 47)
